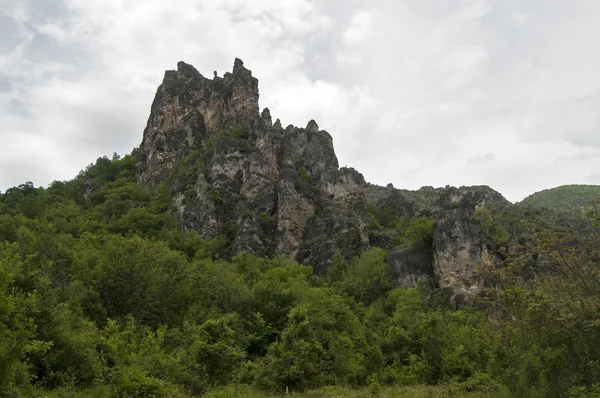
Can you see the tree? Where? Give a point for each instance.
(367, 278)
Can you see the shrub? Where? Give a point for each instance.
(304, 174)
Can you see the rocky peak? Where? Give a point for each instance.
(470, 197)
(233, 172)
(266, 117)
(186, 71)
(187, 109)
(272, 191)
(312, 126)
(238, 68)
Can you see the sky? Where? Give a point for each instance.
(504, 93)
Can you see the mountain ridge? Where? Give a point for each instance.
(280, 191)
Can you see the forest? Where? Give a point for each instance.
(102, 295)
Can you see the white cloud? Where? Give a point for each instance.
(360, 29)
(494, 92)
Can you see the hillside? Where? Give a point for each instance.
(565, 198)
(228, 256)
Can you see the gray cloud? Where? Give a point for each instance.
(5, 84)
(482, 158)
(9, 33)
(504, 93)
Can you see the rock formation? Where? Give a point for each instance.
(280, 191)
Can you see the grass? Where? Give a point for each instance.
(243, 391)
(384, 392)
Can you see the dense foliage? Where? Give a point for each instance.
(101, 295)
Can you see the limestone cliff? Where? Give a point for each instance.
(232, 171)
(272, 190)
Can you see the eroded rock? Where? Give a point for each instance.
(275, 191)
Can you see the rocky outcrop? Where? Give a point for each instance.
(413, 266)
(234, 172)
(458, 247)
(271, 190)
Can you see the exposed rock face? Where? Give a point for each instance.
(413, 266)
(271, 191)
(188, 108)
(233, 172)
(459, 241)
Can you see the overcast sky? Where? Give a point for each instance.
(504, 93)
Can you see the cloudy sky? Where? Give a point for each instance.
(504, 93)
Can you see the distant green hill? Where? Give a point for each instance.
(564, 198)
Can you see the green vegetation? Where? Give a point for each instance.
(266, 221)
(304, 174)
(413, 231)
(564, 198)
(102, 296)
(495, 232)
(405, 232)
